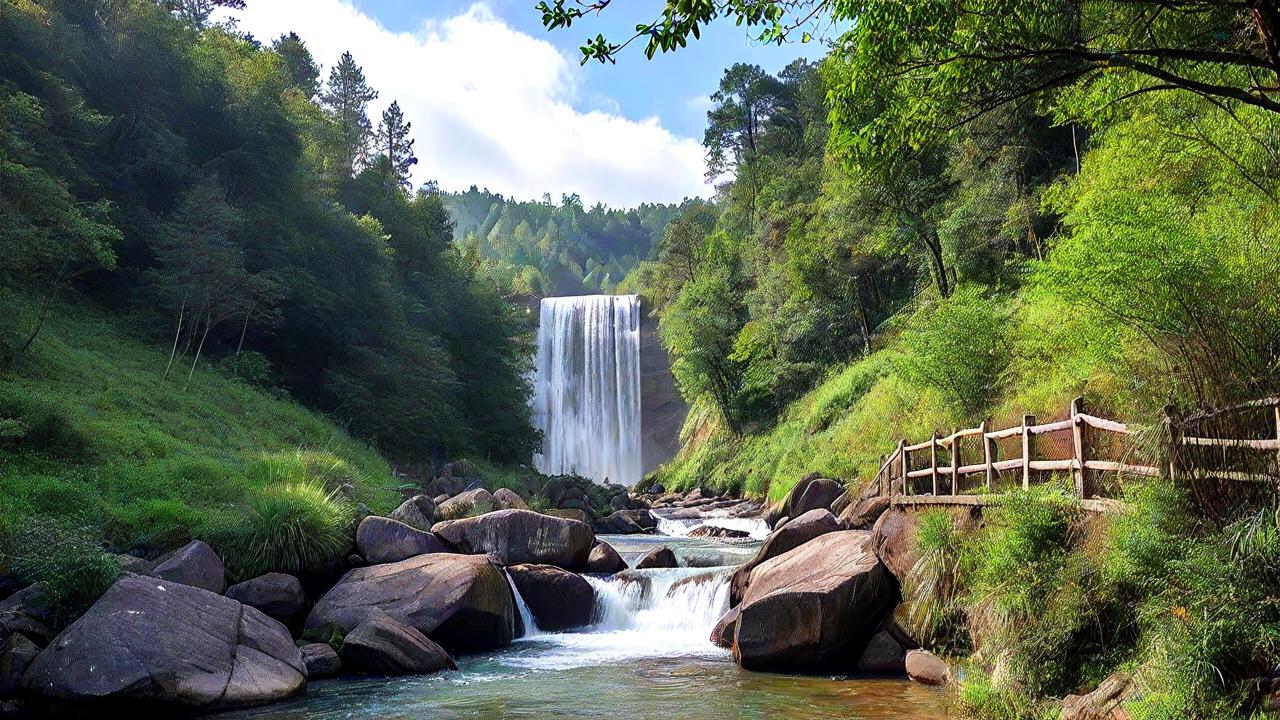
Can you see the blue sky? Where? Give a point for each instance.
(497, 101)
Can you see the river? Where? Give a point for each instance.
(647, 656)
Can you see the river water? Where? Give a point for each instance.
(646, 656)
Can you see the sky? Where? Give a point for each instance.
(498, 102)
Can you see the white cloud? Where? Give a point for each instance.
(494, 107)
(700, 103)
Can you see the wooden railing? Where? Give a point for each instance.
(896, 475)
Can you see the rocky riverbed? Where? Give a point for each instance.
(511, 610)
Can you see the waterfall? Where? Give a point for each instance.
(526, 615)
(678, 600)
(586, 398)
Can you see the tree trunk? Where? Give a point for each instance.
(1266, 15)
(182, 313)
(939, 267)
(208, 323)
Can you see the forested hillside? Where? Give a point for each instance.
(542, 249)
(973, 211)
(228, 203)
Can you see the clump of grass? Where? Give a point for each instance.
(979, 698)
(932, 588)
(290, 527)
(70, 562)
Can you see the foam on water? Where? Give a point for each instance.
(681, 527)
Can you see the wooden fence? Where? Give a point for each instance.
(898, 477)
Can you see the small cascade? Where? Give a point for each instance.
(526, 616)
(756, 528)
(676, 600)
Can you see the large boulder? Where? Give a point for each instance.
(816, 606)
(383, 540)
(883, 655)
(926, 668)
(150, 641)
(819, 493)
(626, 522)
(1104, 703)
(278, 595)
(387, 647)
(722, 633)
(513, 537)
(321, 660)
(604, 559)
(472, 502)
(418, 512)
(461, 601)
(507, 499)
(16, 655)
(895, 533)
(659, 557)
(558, 599)
(194, 564)
(787, 537)
(863, 514)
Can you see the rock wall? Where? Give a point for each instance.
(662, 410)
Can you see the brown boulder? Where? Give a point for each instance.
(863, 514)
(926, 668)
(513, 537)
(194, 564)
(508, 500)
(722, 633)
(558, 599)
(321, 660)
(467, 504)
(418, 512)
(883, 655)
(787, 537)
(383, 540)
(581, 516)
(895, 536)
(278, 595)
(1104, 703)
(604, 559)
(387, 647)
(166, 643)
(814, 607)
(659, 557)
(819, 493)
(461, 601)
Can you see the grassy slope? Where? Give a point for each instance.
(90, 432)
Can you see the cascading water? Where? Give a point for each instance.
(586, 398)
(526, 616)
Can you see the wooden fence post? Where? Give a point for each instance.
(1080, 443)
(1276, 409)
(933, 461)
(987, 458)
(955, 462)
(1028, 448)
(1173, 438)
(880, 476)
(906, 465)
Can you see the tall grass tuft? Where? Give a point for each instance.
(68, 560)
(932, 588)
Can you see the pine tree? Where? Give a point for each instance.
(301, 68)
(196, 13)
(393, 142)
(347, 98)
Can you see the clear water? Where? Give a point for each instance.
(586, 389)
(647, 655)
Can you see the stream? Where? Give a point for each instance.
(647, 655)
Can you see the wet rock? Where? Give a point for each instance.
(16, 654)
(581, 516)
(1104, 703)
(558, 599)
(508, 500)
(604, 559)
(467, 504)
(418, 512)
(626, 522)
(512, 537)
(884, 655)
(841, 503)
(461, 601)
(387, 647)
(165, 643)
(659, 557)
(194, 564)
(321, 660)
(815, 606)
(277, 595)
(926, 668)
(383, 540)
(787, 537)
(714, 531)
(722, 633)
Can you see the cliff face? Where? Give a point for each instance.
(662, 410)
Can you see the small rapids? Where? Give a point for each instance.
(755, 528)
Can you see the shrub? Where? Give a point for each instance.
(69, 560)
(932, 586)
(249, 367)
(289, 527)
(958, 348)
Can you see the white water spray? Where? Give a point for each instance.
(526, 615)
(586, 398)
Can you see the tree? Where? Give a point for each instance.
(393, 143)
(196, 12)
(347, 97)
(746, 100)
(299, 66)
